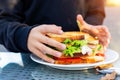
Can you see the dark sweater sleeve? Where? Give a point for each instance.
(13, 33)
(95, 13)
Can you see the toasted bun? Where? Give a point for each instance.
(72, 35)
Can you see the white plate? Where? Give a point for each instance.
(110, 57)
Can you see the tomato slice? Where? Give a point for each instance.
(100, 54)
(68, 61)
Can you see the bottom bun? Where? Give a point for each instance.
(79, 60)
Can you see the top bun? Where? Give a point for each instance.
(73, 35)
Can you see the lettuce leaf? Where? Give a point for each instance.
(74, 46)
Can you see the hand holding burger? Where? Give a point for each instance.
(38, 42)
(86, 46)
(99, 31)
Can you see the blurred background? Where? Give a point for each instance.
(113, 3)
(112, 21)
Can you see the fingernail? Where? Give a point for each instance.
(63, 46)
(60, 31)
(58, 54)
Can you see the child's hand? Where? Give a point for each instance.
(37, 40)
(101, 32)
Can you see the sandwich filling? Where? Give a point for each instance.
(80, 46)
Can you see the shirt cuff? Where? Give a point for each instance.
(21, 38)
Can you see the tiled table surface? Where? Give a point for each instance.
(35, 71)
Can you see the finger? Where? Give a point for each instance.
(51, 42)
(80, 19)
(47, 50)
(41, 55)
(104, 41)
(103, 29)
(51, 29)
(104, 32)
(107, 31)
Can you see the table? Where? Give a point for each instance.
(35, 71)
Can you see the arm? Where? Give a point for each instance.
(95, 13)
(17, 36)
(13, 33)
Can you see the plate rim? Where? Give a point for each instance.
(76, 65)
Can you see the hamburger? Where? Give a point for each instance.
(80, 48)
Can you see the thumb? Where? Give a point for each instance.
(80, 19)
(50, 29)
(81, 23)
